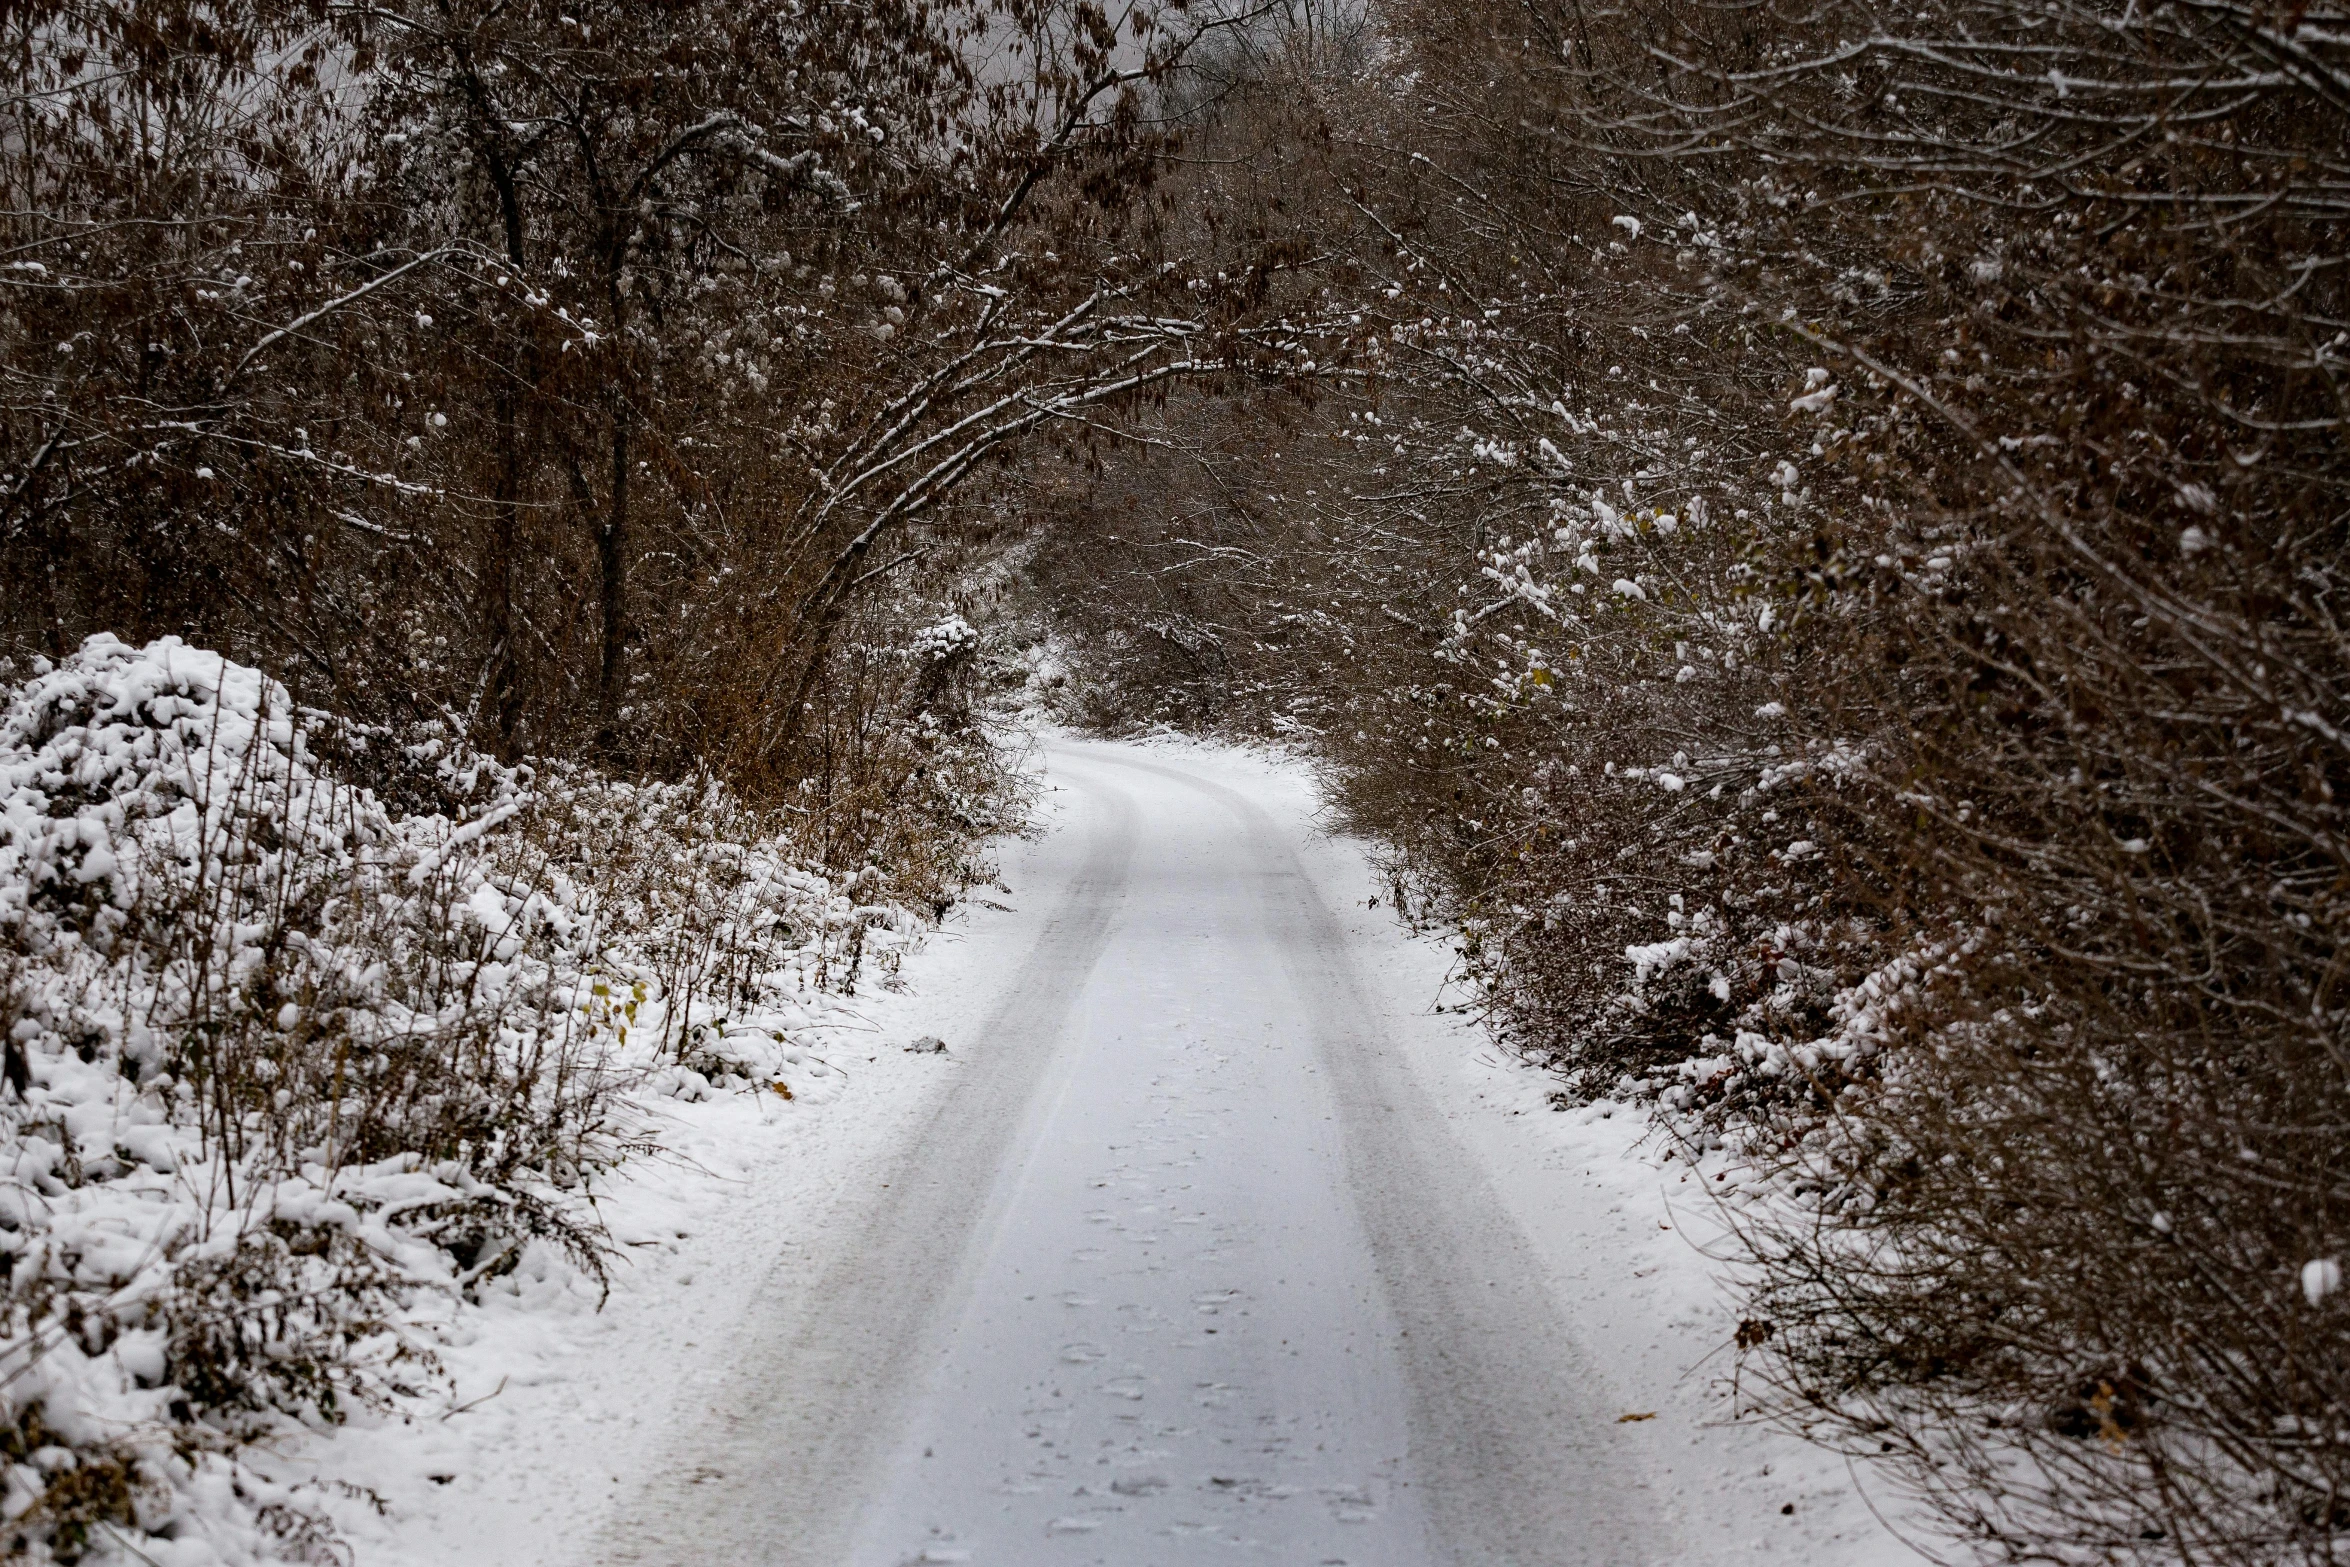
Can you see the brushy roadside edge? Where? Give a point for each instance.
(296, 1063)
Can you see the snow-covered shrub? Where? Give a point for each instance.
(275, 1061)
(906, 772)
(283, 1065)
(942, 639)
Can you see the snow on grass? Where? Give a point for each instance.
(567, 1407)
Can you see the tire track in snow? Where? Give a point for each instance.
(776, 1475)
(1515, 1458)
(1170, 1345)
(1511, 1452)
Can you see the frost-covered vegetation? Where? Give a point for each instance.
(588, 382)
(292, 1071)
(1813, 534)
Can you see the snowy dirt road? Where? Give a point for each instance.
(1220, 1233)
(1186, 1269)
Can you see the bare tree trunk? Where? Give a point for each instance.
(497, 577)
(52, 539)
(611, 563)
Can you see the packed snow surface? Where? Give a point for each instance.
(1210, 1235)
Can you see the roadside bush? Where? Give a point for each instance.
(284, 1067)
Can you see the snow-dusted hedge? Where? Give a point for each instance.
(284, 1068)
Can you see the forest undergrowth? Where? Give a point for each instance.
(315, 1033)
(1813, 536)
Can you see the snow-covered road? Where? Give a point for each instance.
(1213, 1236)
(1186, 1269)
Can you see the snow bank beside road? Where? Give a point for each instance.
(564, 1414)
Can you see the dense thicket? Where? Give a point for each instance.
(1822, 552)
(622, 384)
(494, 503)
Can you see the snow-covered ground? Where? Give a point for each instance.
(803, 1298)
